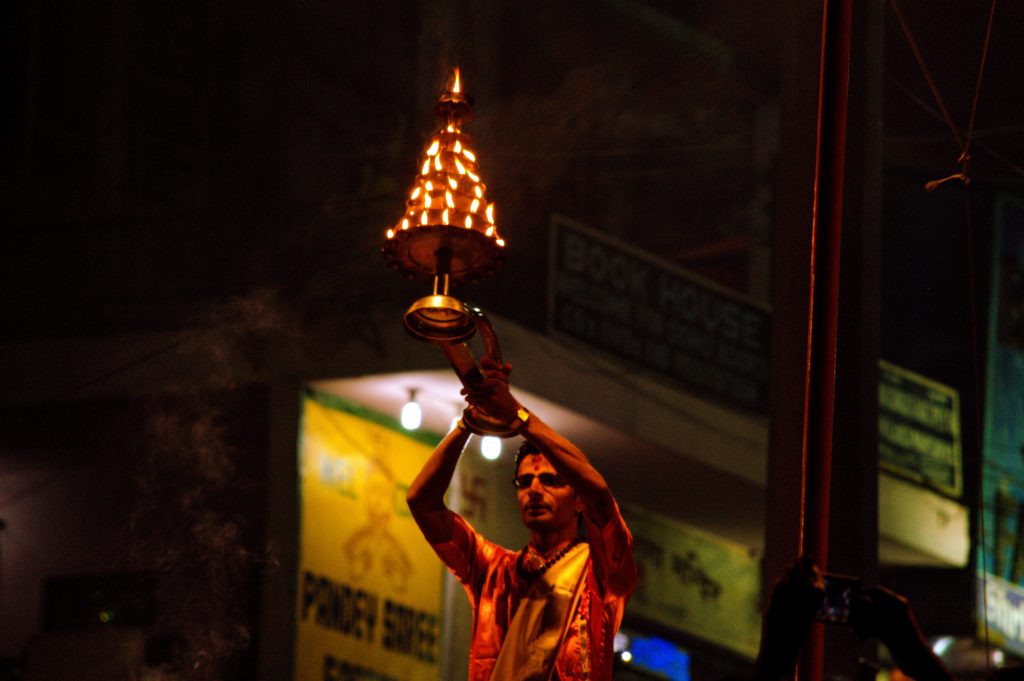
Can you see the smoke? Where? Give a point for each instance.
(193, 527)
(201, 454)
(200, 467)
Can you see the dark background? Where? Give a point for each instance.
(231, 167)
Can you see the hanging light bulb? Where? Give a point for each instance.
(412, 414)
(490, 447)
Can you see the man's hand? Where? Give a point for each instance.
(795, 599)
(888, 615)
(491, 394)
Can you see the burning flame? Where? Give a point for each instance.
(448, 165)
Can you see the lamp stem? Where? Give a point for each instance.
(444, 266)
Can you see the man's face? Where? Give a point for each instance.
(545, 507)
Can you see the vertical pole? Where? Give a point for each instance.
(823, 309)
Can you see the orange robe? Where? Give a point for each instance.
(488, 573)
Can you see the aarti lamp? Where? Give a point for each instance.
(447, 235)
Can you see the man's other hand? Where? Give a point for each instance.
(491, 394)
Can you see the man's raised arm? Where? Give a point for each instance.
(426, 494)
(494, 397)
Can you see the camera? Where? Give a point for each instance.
(840, 598)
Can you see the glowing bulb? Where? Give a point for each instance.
(479, 192)
(415, 193)
(458, 146)
(490, 447)
(429, 185)
(500, 242)
(626, 656)
(434, 147)
(437, 162)
(453, 183)
(942, 645)
(405, 223)
(423, 219)
(490, 230)
(412, 414)
(456, 87)
(444, 216)
(449, 201)
(427, 200)
(391, 234)
(490, 213)
(473, 176)
(461, 168)
(473, 206)
(426, 167)
(469, 222)
(450, 128)
(469, 154)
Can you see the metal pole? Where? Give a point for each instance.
(823, 312)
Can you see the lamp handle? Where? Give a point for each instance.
(468, 371)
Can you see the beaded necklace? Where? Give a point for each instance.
(533, 572)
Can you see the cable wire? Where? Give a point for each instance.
(964, 143)
(981, 72)
(927, 75)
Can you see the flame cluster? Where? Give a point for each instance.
(448, 190)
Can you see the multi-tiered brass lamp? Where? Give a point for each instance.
(448, 236)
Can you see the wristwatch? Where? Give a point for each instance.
(522, 416)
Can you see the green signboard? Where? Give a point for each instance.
(919, 436)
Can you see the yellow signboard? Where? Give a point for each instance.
(368, 592)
